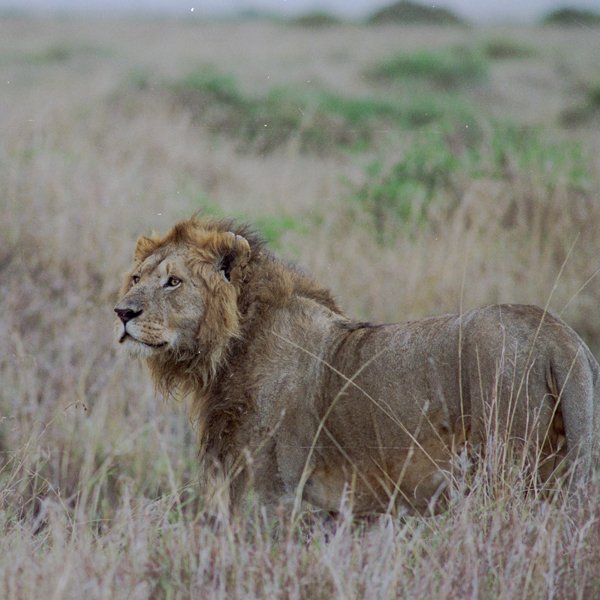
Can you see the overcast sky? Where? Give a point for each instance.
(480, 10)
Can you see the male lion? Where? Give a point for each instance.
(292, 397)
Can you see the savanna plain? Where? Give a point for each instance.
(413, 170)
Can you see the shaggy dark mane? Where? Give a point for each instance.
(261, 283)
(302, 283)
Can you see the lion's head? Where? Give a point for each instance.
(178, 305)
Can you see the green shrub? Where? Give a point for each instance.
(274, 227)
(321, 121)
(412, 110)
(593, 95)
(445, 67)
(316, 19)
(61, 52)
(504, 48)
(410, 13)
(57, 53)
(209, 85)
(514, 148)
(440, 159)
(403, 192)
(573, 17)
(583, 111)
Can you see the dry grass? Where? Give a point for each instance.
(100, 493)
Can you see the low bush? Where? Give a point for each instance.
(578, 17)
(320, 121)
(410, 13)
(506, 48)
(443, 67)
(442, 161)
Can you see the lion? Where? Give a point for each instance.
(293, 399)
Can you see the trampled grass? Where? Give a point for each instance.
(101, 494)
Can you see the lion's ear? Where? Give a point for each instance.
(233, 255)
(144, 247)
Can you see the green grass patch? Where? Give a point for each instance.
(512, 148)
(446, 68)
(274, 227)
(401, 193)
(581, 113)
(320, 121)
(53, 54)
(357, 111)
(593, 95)
(60, 52)
(575, 17)
(506, 48)
(212, 85)
(440, 160)
(315, 20)
(216, 100)
(271, 227)
(412, 110)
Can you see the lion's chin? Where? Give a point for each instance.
(138, 349)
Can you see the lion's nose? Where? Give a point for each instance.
(126, 314)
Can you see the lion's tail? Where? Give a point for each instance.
(578, 383)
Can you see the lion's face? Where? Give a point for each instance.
(179, 301)
(162, 307)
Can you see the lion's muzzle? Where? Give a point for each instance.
(126, 314)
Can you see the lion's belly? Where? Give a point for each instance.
(378, 481)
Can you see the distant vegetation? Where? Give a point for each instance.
(411, 13)
(58, 52)
(319, 121)
(584, 110)
(448, 144)
(442, 157)
(315, 19)
(448, 147)
(572, 16)
(506, 48)
(447, 67)
(54, 53)
(255, 14)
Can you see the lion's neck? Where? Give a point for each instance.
(277, 303)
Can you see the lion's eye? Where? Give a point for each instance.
(172, 282)
(135, 279)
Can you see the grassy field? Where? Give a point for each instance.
(415, 171)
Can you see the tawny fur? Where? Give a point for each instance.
(295, 399)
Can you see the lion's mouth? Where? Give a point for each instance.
(126, 335)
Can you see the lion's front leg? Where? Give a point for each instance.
(256, 485)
